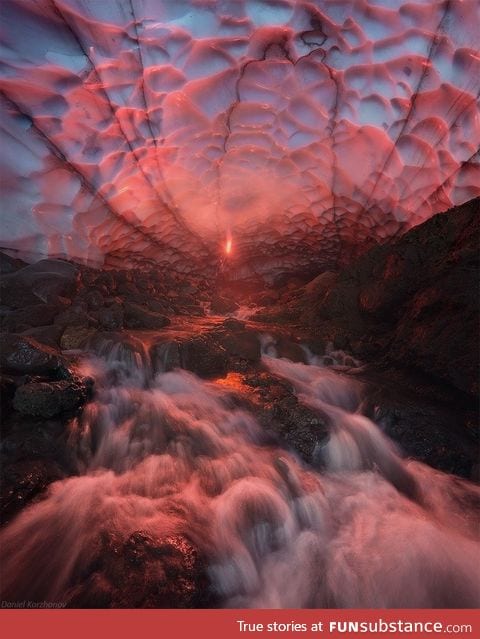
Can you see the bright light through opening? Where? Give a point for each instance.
(228, 246)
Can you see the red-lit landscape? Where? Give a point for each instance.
(239, 278)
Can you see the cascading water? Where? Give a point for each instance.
(171, 455)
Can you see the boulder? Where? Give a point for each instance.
(24, 355)
(110, 318)
(166, 356)
(241, 343)
(47, 399)
(145, 571)
(39, 282)
(222, 305)
(139, 317)
(31, 316)
(49, 335)
(75, 337)
(10, 264)
(204, 356)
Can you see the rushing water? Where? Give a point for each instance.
(171, 454)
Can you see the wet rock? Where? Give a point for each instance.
(47, 399)
(290, 350)
(204, 356)
(24, 481)
(233, 324)
(279, 411)
(49, 335)
(39, 282)
(241, 343)
(166, 356)
(145, 571)
(76, 315)
(222, 305)
(92, 298)
(139, 317)
(75, 337)
(7, 391)
(24, 355)
(110, 318)
(31, 316)
(10, 264)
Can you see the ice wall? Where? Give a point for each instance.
(304, 131)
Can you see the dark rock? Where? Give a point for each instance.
(76, 315)
(31, 316)
(290, 350)
(7, 391)
(413, 302)
(146, 572)
(233, 324)
(76, 337)
(166, 356)
(204, 356)
(49, 335)
(92, 298)
(24, 355)
(110, 318)
(141, 318)
(241, 343)
(39, 282)
(22, 482)
(279, 411)
(47, 399)
(10, 264)
(222, 305)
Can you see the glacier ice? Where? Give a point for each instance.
(304, 130)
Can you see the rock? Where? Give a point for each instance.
(241, 343)
(92, 298)
(222, 305)
(233, 324)
(76, 315)
(145, 571)
(290, 350)
(39, 282)
(10, 264)
(22, 482)
(7, 391)
(138, 317)
(204, 356)
(47, 399)
(49, 335)
(279, 411)
(24, 355)
(165, 356)
(31, 316)
(110, 318)
(75, 337)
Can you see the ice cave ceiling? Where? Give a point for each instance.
(302, 132)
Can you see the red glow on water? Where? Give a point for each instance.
(228, 246)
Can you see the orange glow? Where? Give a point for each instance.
(228, 246)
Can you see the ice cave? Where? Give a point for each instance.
(239, 250)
